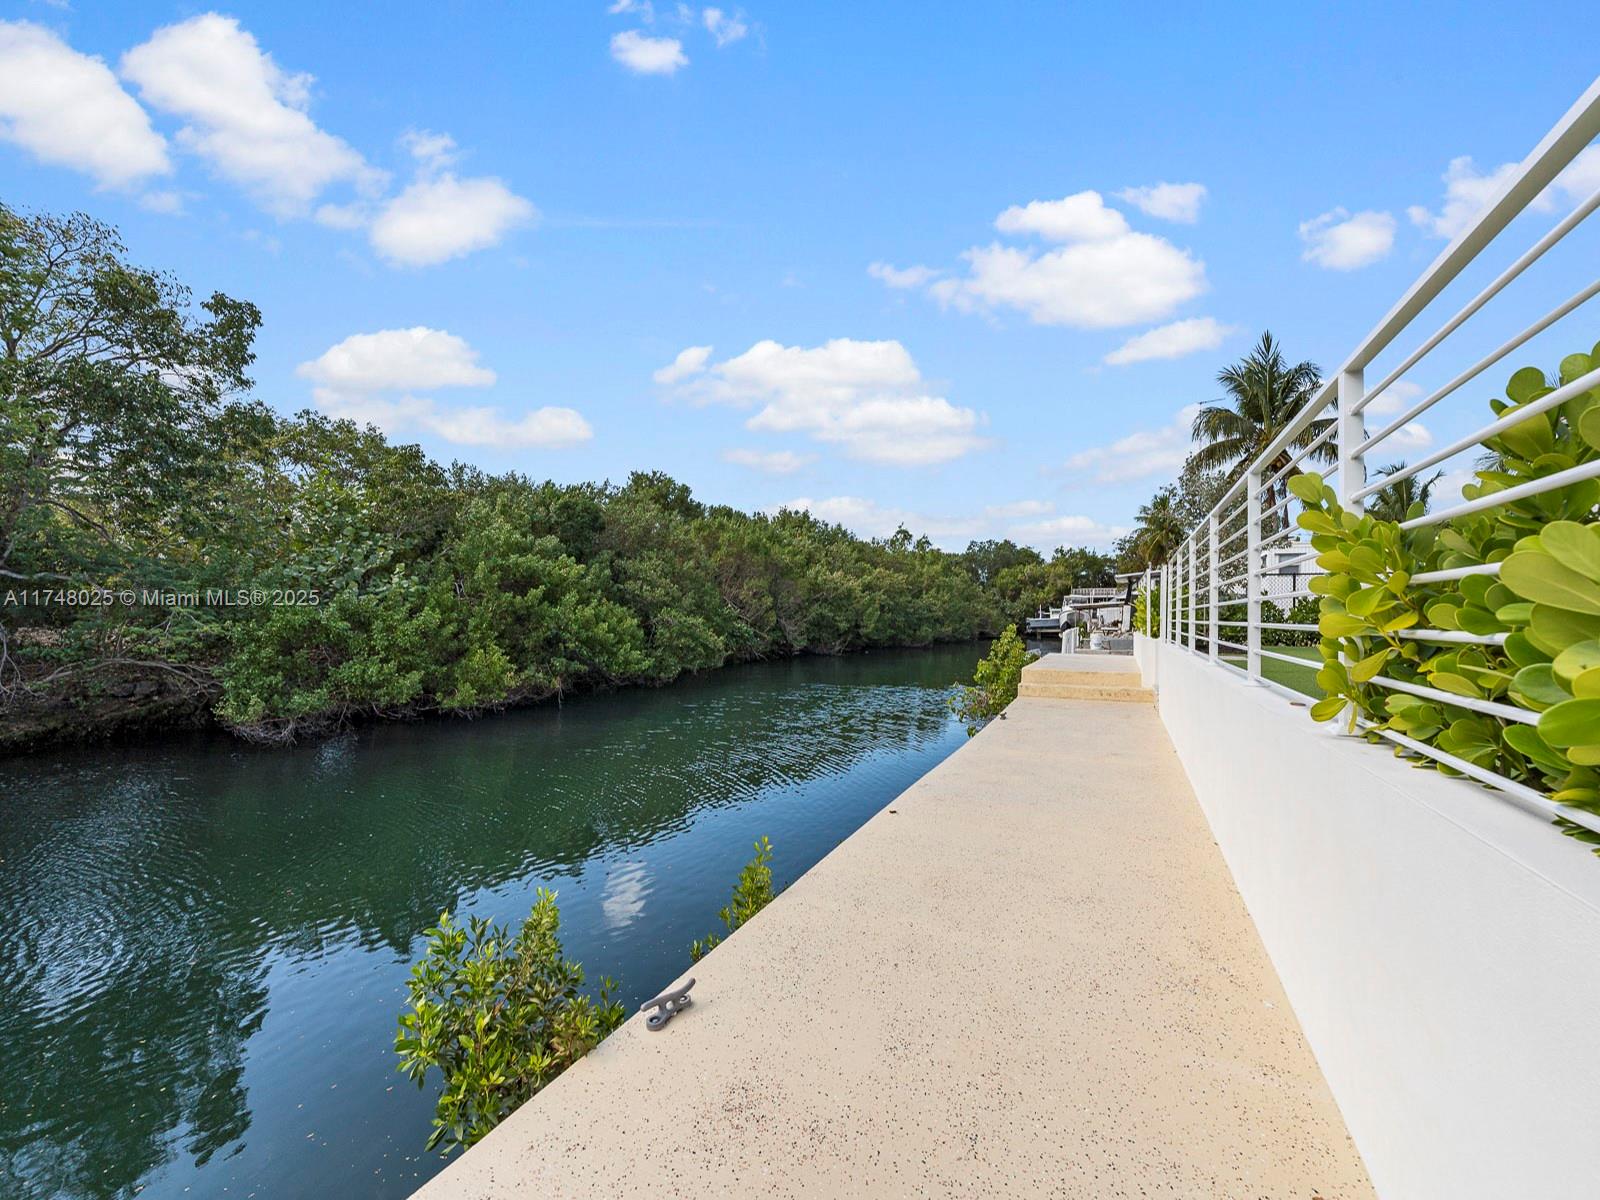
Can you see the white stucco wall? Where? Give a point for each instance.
(1440, 945)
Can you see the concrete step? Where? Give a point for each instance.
(1052, 678)
(1104, 690)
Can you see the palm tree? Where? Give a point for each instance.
(1263, 394)
(1394, 501)
(1160, 529)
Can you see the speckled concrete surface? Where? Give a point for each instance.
(1029, 976)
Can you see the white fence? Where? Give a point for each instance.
(1221, 566)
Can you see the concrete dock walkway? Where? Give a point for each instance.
(1030, 975)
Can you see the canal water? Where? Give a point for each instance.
(204, 947)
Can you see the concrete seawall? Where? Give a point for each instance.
(1030, 975)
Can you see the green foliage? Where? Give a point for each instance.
(129, 463)
(1545, 601)
(1027, 584)
(751, 894)
(499, 1017)
(996, 679)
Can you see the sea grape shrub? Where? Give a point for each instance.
(499, 1017)
(995, 681)
(1542, 610)
(751, 893)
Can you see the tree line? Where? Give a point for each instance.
(143, 489)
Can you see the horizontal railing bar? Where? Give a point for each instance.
(1237, 579)
(1505, 712)
(1510, 420)
(1456, 573)
(1289, 625)
(1268, 513)
(1232, 558)
(1309, 448)
(1482, 365)
(1310, 664)
(1315, 409)
(1534, 487)
(1570, 136)
(1288, 693)
(1293, 562)
(1233, 646)
(1527, 259)
(1295, 595)
(1510, 787)
(1455, 636)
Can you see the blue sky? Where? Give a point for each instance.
(511, 232)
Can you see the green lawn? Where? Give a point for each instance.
(1286, 674)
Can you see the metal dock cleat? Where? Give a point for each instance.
(667, 1006)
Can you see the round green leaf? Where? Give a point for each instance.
(1525, 740)
(1327, 709)
(1307, 487)
(1335, 625)
(1574, 723)
(1576, 659)
(1523, 652)
(1554, 629)
(1540, 578)
(1589, 427)
(1525, 384)
(1538, 683)
(1573, 545)
(1587, 685)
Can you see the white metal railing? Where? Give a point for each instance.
(1212, 607)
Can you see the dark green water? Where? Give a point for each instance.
(205, 946)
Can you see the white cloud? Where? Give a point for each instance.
(1105, 275)
(370, 378)
(1018, 508)
(1139, 455)
(1393, 399)
(67, 109)
(1171, 341)
(1581, 179)
(689, 362)
(723, 28)
(648, 55)
(1167, 201)
(1466, 193)
(642, 9)
(866, 397)
(902, 278)
(1340, 241)
(437, 219)
(773, 462)
(1077, 218)
(1102, 284)
(549, 428)
(398, 360)
(868, 518)
(163, 201)
(1068, 530)
(433, 151)
(1414, 436)
(245, 115)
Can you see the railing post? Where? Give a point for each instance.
(1189, 590)
(1252, 562)
(1352, 432)
(1213, 591)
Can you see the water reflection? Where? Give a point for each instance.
(207, 945)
